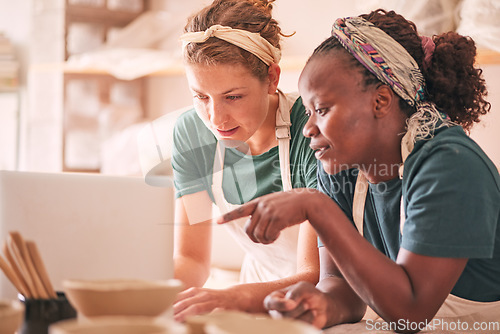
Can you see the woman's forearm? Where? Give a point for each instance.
(407, 294)
(364, 268)
(190, 272)
(192, 242)
(250, 296)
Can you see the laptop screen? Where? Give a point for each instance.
(90, 226)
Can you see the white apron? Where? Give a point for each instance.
(454, 308)
(263, 263)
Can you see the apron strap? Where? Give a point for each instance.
(283, 136)
(361, 190)
(406, 148)
(358, 205)
(218, 170)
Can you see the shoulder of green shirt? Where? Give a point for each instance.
(456, 140)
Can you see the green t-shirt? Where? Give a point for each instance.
(245, 176)
(451, 194)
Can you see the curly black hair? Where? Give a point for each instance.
(454, 84)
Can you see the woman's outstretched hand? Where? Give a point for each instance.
(272, 213)
(195, 301)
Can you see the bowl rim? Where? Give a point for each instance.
(228, 325)
(119, 284)
(222, 321)
(74, 324)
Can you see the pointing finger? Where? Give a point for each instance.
(244, 210)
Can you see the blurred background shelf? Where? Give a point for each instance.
(484, 57)
(488, 57)
(74, 110)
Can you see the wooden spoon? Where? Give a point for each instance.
(18, 261)
(27, 292)
(40, 268)
(30, 268)
(11, 275)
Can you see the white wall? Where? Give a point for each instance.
(310, 20)
(487, 132)
(15, 23)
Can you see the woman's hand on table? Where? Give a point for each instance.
(196, 301)
(301, 301)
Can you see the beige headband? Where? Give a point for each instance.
(249, 41)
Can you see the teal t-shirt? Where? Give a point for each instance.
(451, 192)
(245, 177)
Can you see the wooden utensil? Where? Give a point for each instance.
(38, 286)
(11, 275)
(16, 261)
(27, 292)
(40, 268)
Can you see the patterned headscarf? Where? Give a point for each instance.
(393, 65)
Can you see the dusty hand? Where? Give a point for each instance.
(301, 301)
(195, 301)
(272, 213)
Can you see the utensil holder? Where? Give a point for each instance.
(41, 313)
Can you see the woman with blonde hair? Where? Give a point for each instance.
(242, 139)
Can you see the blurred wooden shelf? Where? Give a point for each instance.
(177, 68)
(484, 57)
(488, 57)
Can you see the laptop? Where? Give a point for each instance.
(90, 226)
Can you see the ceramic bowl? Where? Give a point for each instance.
(234, 322)
(114, 325)
(11, 316)
(127, 297)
